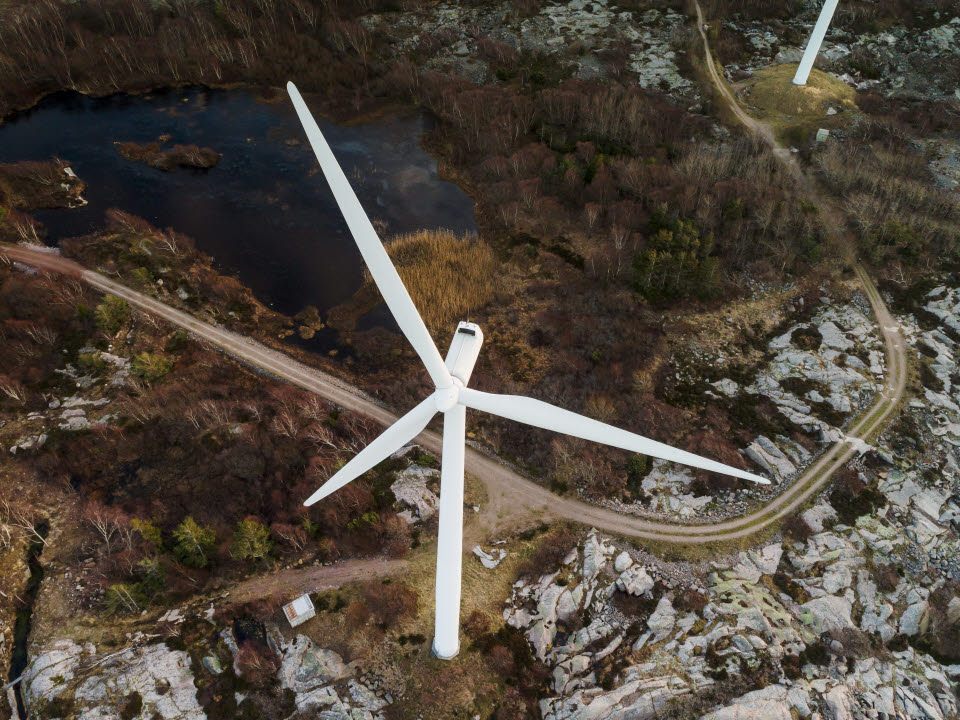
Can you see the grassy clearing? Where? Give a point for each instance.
(474, 491)
(483, 590)
(795, 112)
(447, 275)
(772, 92)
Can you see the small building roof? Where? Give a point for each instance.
(299, 609)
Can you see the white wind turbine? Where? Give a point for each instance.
(452, 398)
(816, 40)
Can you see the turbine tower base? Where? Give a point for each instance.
(443, 656)
(816, 39)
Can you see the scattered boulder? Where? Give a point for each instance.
(411, 491)
(635, 581)
(492, 559)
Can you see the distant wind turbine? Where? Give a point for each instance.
(816, 39)
(452, 398)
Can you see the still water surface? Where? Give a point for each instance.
(265, 212)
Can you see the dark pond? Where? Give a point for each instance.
(264, 213)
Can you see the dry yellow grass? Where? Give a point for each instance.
(447, 275)
(772, 92)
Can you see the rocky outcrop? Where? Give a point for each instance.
(98, 683)
(654, 40)
(747, 623)
(412, 494)
(820, 373)
(894, 61)
(323, 684)
(771, 458)
(770, 703)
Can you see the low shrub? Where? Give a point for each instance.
(550, 550)
(852, 498)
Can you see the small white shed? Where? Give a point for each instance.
(299, 611)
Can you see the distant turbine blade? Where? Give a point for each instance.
(395, 437)
(542, 415)
(378, 262)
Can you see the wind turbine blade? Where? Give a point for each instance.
(378, 262)
(394, 437)
(542, 415)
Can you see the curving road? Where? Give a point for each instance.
(750, 123)
(512, 498)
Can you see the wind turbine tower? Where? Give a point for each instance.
(451, 377)
(816, 39)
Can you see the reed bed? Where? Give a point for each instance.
(447, 275)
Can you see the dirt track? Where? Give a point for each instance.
(512, 498)
(295, 581)
(751, 123)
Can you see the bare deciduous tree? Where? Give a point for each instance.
(112, 525)
(15, 518)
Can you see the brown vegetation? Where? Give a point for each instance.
(204, 442)
(390, 602)
(852, 498)
(902, 219)
(155, 156)
(595, 201)
(159, 262)
(448, 277)
(796, 529)
(548, 552)
(940, 637)
(582, 188)
(30, 185)
(116, 45)
(258, 664)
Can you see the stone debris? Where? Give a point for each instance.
(635, 581)
(489, 559)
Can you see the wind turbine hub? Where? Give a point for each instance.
(448, 397)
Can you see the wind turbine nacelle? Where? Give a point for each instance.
(464, 350)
